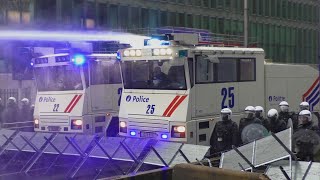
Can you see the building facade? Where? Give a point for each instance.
(286, 29)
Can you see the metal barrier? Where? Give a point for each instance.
(27, 126)
(76, 155)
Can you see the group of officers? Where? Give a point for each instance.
(227, 133)
(13, 113)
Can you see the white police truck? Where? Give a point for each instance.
(77, 93)
(174, 89)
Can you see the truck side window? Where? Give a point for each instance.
(227, 70)
(204, 70)
(247, 70)
(220, 70)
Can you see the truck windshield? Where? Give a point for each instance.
(105, 72)
(58, 78)
(153, 74)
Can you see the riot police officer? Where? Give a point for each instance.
(289, 118)
(305, 106)
(10, 114)
(225, 133)
(276, 124)
(259, 115)
(305, 121)
(249, 118)
(25, 111)
(306, 138)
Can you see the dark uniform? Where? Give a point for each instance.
(11, 113)
(265, 122)
(306, 146)
(25, 113)
(277, 125)
(225, 134)
(285, 116)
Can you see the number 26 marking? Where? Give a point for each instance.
(227, 93)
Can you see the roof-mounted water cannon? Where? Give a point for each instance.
(187, 39)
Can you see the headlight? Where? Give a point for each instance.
(123, 124)
(36, 121)
(77, 122)
(169, 51)
(132, 52)
(163, 52)
(126, 53)
(156, 52)
(123, 127)
(178, 131)
(138, 52)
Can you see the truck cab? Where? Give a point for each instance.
(77, 93)
(174, 90)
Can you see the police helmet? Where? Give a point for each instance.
(273, 113)
(284, 106)
(304, 106)
(12, 99)
(305, 116)
(259, 111)
(226, 114)
(249, 111)
(25, 101)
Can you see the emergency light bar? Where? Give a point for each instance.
(41, 60)
(162, 52)
(132, 53)
(166, 40)
(62, 59)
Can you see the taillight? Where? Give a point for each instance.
(36, 123)
(178, 131)
(76, 124)
(123, 127)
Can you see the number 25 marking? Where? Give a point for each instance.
(150, 109)
(227, 93)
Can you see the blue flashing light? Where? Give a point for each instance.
(118, 56)
(156, 42)
(133, 133)
(164, 136)
(79, 59)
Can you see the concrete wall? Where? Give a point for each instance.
(194, 172)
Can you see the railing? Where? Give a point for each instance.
(205, 36)
(26, 126)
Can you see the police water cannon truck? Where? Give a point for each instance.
(77, 92)
(174, 89)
